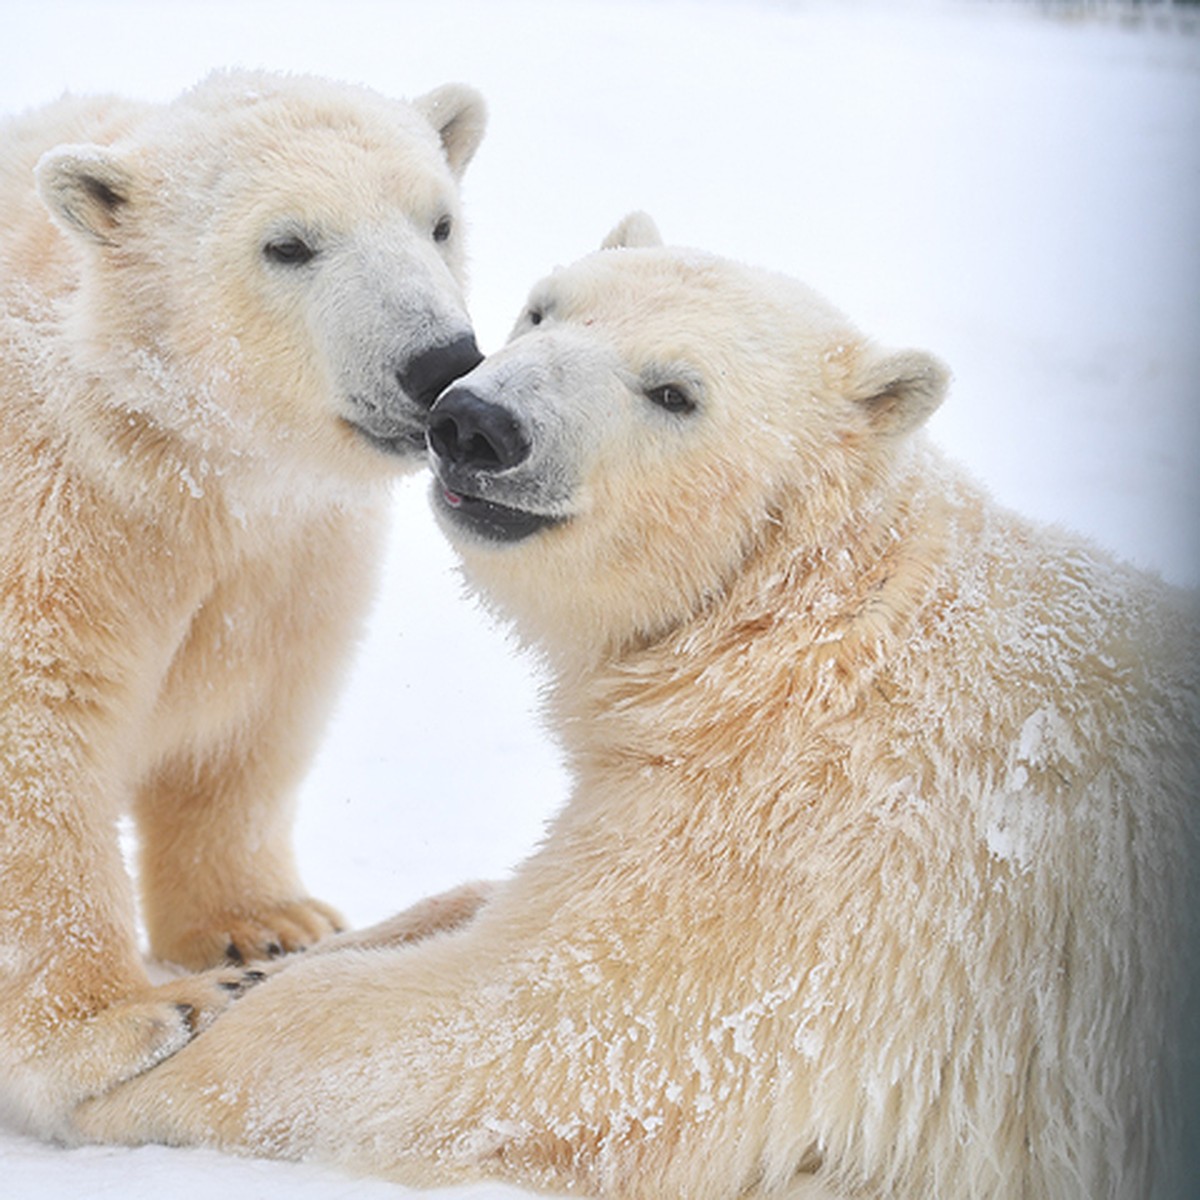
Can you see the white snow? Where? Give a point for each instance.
(1017, 190)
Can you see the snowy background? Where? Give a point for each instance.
(1014, 186)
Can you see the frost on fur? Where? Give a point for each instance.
(877, 879)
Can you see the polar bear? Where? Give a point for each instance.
(222, 324)
(877, 877)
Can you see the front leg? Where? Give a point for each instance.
(522, 1048)
(218, 878)
(78, 1014)
(241, 713)
(371, 1057)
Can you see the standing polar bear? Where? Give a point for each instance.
(877, 876)
(222, 324)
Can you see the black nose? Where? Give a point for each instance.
(469, 431)
(426, 376)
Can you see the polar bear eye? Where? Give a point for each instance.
(442, 230)
(534, 316)
(289, 252)
(671, 397)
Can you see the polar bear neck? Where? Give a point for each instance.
(178, 457)
(810, 626)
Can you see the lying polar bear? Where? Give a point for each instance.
(877, 879)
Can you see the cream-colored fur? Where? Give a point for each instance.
(189, 520)
(877, 878)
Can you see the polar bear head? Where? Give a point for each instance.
(273, 266)
(655, 415)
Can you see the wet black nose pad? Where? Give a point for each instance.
(468, 431)
(429, 373)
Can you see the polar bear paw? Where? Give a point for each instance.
(90, 1055)
(242, 936)
(139, 1031)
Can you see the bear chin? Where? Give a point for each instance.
(487, 520)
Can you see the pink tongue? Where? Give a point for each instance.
(452, 498)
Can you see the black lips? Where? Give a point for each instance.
(488, 520)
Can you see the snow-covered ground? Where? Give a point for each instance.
(1016, 187)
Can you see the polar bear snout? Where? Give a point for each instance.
(473, 434)
(394, 419)
(485, 481)
(425, 376)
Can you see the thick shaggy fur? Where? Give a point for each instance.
(188, 524)
(877, 879)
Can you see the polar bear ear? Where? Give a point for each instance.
(87, 190)
(637, 229)
(459, 115)
(900, 391)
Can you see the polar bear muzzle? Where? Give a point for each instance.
(421, 380)
(476, 447)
